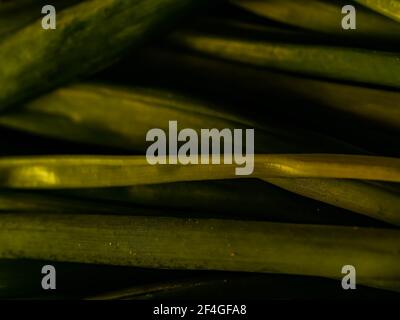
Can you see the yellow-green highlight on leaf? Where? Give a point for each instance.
(389, 8)
(57, 172)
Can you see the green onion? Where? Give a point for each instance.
(221, 78)
(83, 113)
(111, 171)
(245, 199)
(346, 64)
(89, 36)
(207, 244)
(325, 17)
(114, 171)
(389, 8)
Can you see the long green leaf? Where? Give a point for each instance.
(114, 171)
(89, 36)
(376, 105)
(83, 113)
(326, 17)
(205, 245)
(95, 171)
(245, 199)
(349, 64)
(371, 200)
(390, 8)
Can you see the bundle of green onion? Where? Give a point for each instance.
(77, 191)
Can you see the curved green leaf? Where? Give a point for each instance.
(89, 36)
